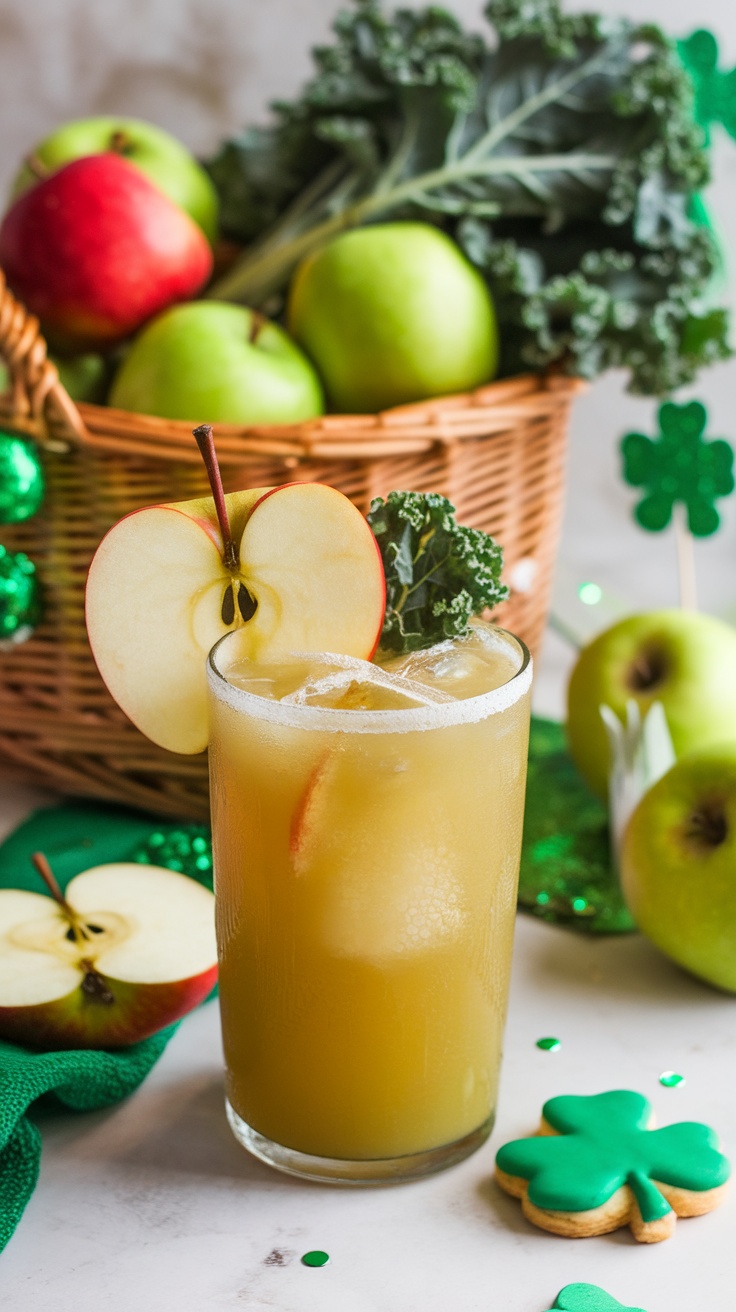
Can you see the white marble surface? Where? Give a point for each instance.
(152, 1204)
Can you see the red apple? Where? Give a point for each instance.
(96, 249)
(134, 951)
(304, 575)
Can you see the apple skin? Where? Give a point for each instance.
(678, 864)
(393, 313)
(153, 926)
(85, 377)
(76, 1022)
(95, 250)
(163, 159)
(685, 660)
(199, 359)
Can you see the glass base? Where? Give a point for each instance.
(371, 1171)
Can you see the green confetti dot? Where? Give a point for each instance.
(671, 1080)
(549, 1045)
(542, 899)
(579, 905)
(316, 1258)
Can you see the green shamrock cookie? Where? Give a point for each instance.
(596, 1166)
(679, 466)
(588, 1298)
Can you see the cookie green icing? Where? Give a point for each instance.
(588, 1298)
(602, 1143)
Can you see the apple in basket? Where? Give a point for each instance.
(393, 313)
(96, 249)
(296, 565)
(225, 361)
(164, 160)
(126, 950)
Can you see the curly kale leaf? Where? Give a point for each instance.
(597, 299)
(564, 159)
(439, 574)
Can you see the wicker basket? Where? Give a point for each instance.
(498, 453)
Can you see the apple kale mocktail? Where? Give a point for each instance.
(367, 828)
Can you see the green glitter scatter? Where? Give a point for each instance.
(316, 1258)
(184, 848)
(671, 1080)
(566, 875)
(549, 1045)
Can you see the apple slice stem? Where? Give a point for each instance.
(93, 985)
(206, 443)
(49, 879)
(246, 603)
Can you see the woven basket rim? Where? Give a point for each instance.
(402, 430)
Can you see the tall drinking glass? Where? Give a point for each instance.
(367, 831)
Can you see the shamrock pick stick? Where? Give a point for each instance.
(683, 475)
(588, 1298)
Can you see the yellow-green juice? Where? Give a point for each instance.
(366, 830)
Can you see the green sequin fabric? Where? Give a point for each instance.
(566, 872)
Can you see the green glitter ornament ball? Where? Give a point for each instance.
(20, 597)
(21, 479)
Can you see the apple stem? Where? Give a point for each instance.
(257, 323)
(206, 443)
(37, 167)
(49, 879)
(119, 142)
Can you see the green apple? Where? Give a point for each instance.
(84, 377)
(678, 864)
(684, 660)
(164, 160)
(220, 362)
(393, 313)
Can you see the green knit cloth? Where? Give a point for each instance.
(74, 838)
(82, 1080)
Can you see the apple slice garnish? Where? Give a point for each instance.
(125, 951)
(296, 566)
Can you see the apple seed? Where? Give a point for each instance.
(247, 604)
(228, 606)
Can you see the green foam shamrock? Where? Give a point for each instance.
(715, 92)
(679, 466)
(588, 1298)
(602, 1143)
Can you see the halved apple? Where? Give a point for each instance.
(305, 575)
(137, 953)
